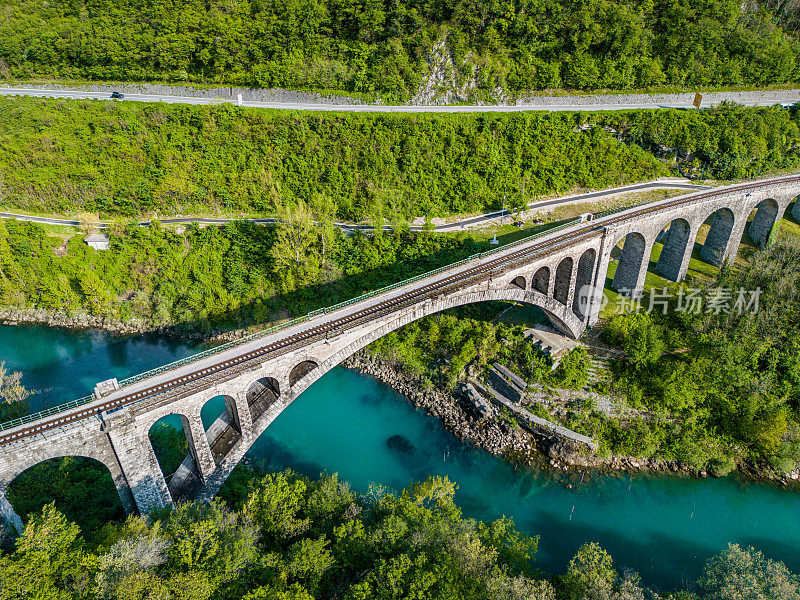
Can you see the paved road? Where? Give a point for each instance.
(79, 94)
(468, 223)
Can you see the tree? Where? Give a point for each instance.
(295, 236)
(590, 574)
(11, 389)
(13, 394)
(131, 555)
(94, 291)
(746, 574)
(50, 561)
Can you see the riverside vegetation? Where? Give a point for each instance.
(132, 159)
(371, 47)
(281, 536)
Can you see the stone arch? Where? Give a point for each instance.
(220, 418)
(563, 280)
(763, 222)
(83, 441)
(182, 477)
(557, 312)
(583, 283)
(262, 394)
(719, 234)
(100, 493)
(300, 370)
(519, 282)
(541, 280)
(631, 260)
(672, 261)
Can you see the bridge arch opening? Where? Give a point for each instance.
(763, 222)
(563, 280)
(82, 488)
(172, 443)
(262, 394)
(720, 225)
(300, 370)
(223, 429)
(519, 282)
(541, 280)
(629, 266)
(674, 240)
(795, 210)
(583, 283)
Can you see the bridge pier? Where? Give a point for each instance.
(243, 410)
(735, 240)
(140, 466)
(633, 262)
(723, 237)
(599, 282)
(198, 444)
(121, 483)
(677, 251)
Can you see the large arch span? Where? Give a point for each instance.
(559, 314)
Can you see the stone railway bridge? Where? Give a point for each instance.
(563, 271)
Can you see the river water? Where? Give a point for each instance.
(663, 528)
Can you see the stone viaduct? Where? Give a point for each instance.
(563, 271)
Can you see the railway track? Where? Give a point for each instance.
(200, 379)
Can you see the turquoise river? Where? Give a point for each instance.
(663, 528)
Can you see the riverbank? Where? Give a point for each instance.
(82, 321)
(535, 450)
(501, 437)
(498, 438)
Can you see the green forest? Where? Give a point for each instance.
(131, 159)
(286, 537)
(203, 278)
(381, 48)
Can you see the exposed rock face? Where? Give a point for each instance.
(447, 83)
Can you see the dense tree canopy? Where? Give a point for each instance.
(211, 276)
(285, 537)
(159, 159)
(370, 46)
(129, 159)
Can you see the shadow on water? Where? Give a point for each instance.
(662, 560)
